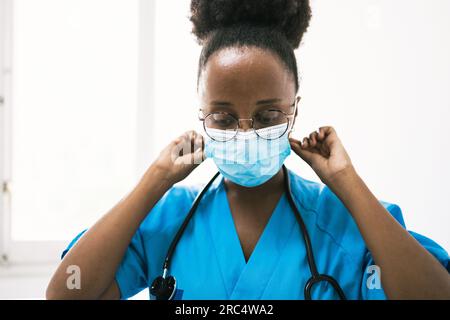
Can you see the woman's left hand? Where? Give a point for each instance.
(324, 152)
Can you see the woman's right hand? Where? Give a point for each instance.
(181, 156)
(106, 242)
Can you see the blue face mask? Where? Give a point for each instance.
(248, 159)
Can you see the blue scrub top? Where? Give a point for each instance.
(209, 263)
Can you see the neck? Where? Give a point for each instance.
(271, 186)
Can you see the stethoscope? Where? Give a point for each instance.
(164, 287)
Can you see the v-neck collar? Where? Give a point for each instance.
(241, 278)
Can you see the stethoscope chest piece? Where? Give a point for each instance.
(164, 288)
(315, 279)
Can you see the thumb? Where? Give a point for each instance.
(190, 159)
(301, 151)
(198, 156)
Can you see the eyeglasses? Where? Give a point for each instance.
(268, 124)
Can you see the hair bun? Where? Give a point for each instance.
(290, 17)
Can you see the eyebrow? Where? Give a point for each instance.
(260, 102)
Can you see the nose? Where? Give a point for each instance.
(246, 124)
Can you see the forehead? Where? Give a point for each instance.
(245, 73)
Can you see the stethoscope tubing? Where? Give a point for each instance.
(315, 278)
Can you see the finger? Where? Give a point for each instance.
(327, 130)
(303, 152)
(295, 141)
(305, 143)
(198, 156)
(199, 142)
(295, 145)
(177, 140)
(190, 140)
(193, 158)
(313, 139)
(320, 134)
(184, 144)
(329, 135)
(188, 134)
(331, 141)
(324, 149)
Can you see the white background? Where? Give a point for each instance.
(95, 91)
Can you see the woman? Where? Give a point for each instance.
(244, 240)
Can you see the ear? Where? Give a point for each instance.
(297, 102)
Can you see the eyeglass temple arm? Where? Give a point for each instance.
(294, 105)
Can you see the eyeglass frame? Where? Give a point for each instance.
(238, 120)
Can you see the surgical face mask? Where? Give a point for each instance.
(248, 159)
